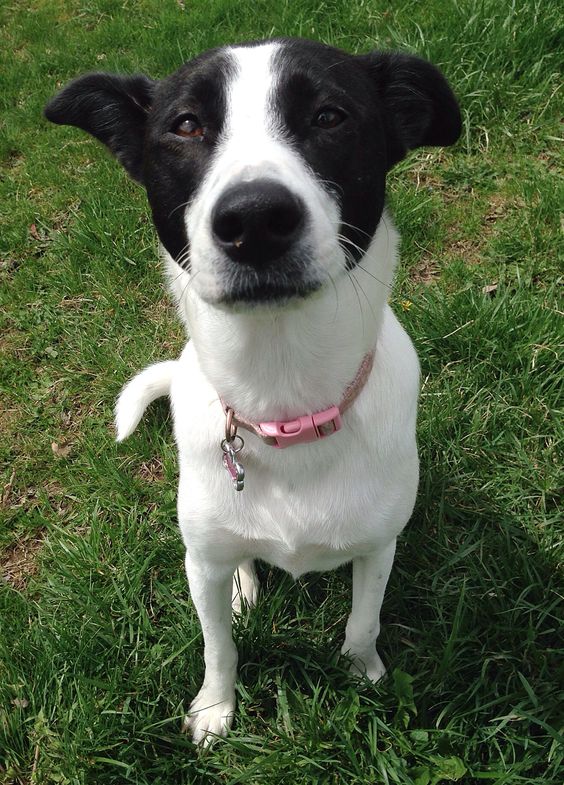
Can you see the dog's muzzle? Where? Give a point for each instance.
(254, 223)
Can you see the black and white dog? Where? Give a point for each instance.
(265, 167)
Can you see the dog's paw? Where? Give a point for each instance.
(245, 587)
(366, 666)
(208, 718)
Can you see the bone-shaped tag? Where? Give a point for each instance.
(234, 468)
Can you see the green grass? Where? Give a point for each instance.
(100, 649)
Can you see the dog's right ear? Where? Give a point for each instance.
(112, 108)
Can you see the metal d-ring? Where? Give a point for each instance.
(230, 427)
(235, 445)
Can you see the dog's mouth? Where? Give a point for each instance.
(292, 276)
(276, 293)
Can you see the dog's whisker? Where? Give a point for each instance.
(378, 280)
(188, 284)
(354, 264)
(351, 272)
(336, 296)
(332, 186)
(351, 243)
(356, 229)
(184, 255)
(179, 207)
(354, 285)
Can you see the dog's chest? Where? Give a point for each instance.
(299, 531)
(298, 558)
(294, 513)
(310, 506)
(302, 528)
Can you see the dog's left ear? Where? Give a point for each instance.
(420, 108)
(111, 107)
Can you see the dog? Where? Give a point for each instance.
(294, 402)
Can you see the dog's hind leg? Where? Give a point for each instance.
(370, 576)
(245, 587)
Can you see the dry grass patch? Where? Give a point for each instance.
(19, 561)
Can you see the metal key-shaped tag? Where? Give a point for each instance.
(232, 465)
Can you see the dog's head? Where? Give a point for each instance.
(265, 163)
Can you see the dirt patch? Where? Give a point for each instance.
(15, 344)
(51, 493)
(10, 417)
(498, 207)
(152, 471)
(425, 271)
(429, 267)
(469, 249)
(18, 562)
(425, 178)
(161, 310)
(8, 266)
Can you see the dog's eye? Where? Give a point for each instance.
(188, 126)
(328, 117)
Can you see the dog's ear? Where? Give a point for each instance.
(420, 108)
(112, 108)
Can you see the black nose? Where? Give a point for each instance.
(256, 222)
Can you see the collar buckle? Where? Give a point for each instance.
(308, 428)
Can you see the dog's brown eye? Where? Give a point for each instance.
(189, 126)
(328, 117)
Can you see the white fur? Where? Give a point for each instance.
(312, 506)
(147, 386)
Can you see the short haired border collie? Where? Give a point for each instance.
(265, 166)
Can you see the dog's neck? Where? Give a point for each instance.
(284, 361)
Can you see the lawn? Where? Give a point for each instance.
(100, 648)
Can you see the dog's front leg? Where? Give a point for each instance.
(370, 576)
(211, 711)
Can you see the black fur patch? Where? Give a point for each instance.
(175, 167)
(350, 160)
(419, 107)
(112, 108)
(392, 103)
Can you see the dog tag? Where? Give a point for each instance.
(232, 465)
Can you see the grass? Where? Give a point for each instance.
(100, 649)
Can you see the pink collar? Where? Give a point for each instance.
(308, 427)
